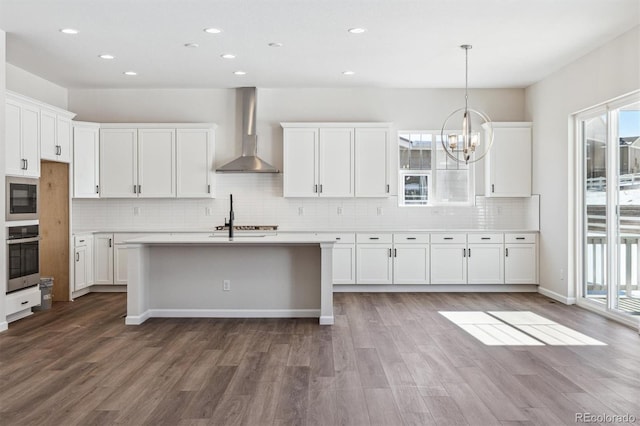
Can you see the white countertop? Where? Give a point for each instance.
(293, 230)
(209, 238)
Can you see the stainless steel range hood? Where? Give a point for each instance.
(249, 162)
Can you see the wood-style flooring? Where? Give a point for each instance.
(390, 359)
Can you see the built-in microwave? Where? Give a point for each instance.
(21, 198)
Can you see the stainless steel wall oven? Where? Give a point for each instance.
(23, 257)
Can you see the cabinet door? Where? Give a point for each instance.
(13, 139)
(120, 264)
(194, 159)
(118, 163)
(508, 165)
(30, 130)
(86, 183)
(448, 264)
(520, 264)
(485, 264)
(374, 264)
(300, 155)
(156, 163)
(89, 261)
(344, 264)
(48, 144)
(410, 264)
(80, 270)
(103, 259)
(63, 132)
(335, 167)
(371, 162)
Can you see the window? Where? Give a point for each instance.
(427, 176)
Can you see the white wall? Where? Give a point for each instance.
(3, 252)
(259, 197)
(25, 83)
(607, 72)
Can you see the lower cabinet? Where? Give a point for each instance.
(485, 259)
(411, 259)
(83, 261)
(374, 261)
(103, 259)
(21, 302)
(520, 259)
(344, 259)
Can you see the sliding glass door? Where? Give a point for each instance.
(609, 138)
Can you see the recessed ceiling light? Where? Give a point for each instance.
(106, 56)
(130, 73)
(228, 56)
(69, 31)
(239, 72)
(275, 44)
(212, 30)
(357, 30)
(191, 45)
(348, 72)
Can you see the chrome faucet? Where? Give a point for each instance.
(230, 223)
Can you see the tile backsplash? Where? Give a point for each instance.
(258, 201)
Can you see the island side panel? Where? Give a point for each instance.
(326, 285)
(137, 284)
(266, 280)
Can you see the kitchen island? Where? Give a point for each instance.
(205, 275)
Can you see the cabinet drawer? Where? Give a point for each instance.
(81, 240)
(374, 238)
(451, 238)
(341, 238)
(484, 238)
(20, 300)
(519, 238)
(121, 238)
(411, 238)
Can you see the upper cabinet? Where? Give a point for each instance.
(86, 160)
(155, 161)
(508, 164)
(22, 139)
(55, 135)
(335, 159)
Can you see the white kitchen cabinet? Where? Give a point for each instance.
(103, 259)
(372, 162)
(508, 163)
(411, 259)
(55, 135)
(520, 259)
(19, 303)
(86, 160)
(344, 258)
(194, 163)
(156, 163)
(485, 260)
(120, 264)
(22, 139)
(374, 259)
(83, 267)
(118, 163)
(335, 159)
(448, 258)
(318, 162)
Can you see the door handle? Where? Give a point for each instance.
(139, 189)
(506, 252)
(389, 252)
(485, 238)
(411, 238)
(26, 162)
(315, 188)
(395, 252)
(493, 188)
(469, 252)
(519, 238)
(374, 238)
(448, 238)
(387, 188)
(135, 189)
(109, 242)
(77, 257)
(321, 188)
(464, 252)
(208, 189)
(97, 192)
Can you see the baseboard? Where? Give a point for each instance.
(137, 319)
(4, 326)
(556, 296)
(19, 315)
(81, 292)
(234, 313)
(326, 320)
(108, 288)
(434, 288)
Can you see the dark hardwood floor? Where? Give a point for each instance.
(390, 359)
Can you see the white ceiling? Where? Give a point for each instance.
(409, 43)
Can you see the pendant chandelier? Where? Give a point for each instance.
(465, 146)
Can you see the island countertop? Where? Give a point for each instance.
(209, 238)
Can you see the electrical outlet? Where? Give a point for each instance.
(339, 211)
(207, 211)
(136, 211)
(300, 211)
(226, 285)
(380, 211)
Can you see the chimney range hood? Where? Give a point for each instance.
(248, 162)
